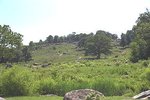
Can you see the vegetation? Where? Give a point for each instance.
(61, 98)
(141, 44)
(36, 98)
(11, 49)
(139, 38)
(98, 44)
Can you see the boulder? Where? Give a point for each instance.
(83, 94)
(142, 95)
(2, 98)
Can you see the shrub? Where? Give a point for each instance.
(16, 81)
(145, 63)
(108, 87)
(146, 75)
(45, 86)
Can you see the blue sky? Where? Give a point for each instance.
(36, 19)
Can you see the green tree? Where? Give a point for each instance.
(129, 36)
(142, 38)
(26, 55)
(31, 45)
(56, 39)
(123, 41)
(9, 42)
(50, 39)
(83, 38)
(98, 44)
(61, 39)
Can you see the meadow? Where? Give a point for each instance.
(113, 75)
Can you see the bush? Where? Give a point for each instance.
(145, 63)
(45, 86)
(16, 81)
(108, 87)
(146, 74)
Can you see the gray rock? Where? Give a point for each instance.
(82, 94)
(142, 95)
(2, 98)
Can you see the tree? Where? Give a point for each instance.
(61, 39)
(142, 38)
(9, 42)
(31, 45)
(83, 38)
(98, 44)
(123, 41)
(129, 36)
(49, 39)
(138, 50)
(26, 54)
(56, 39)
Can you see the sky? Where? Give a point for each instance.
(37, 19)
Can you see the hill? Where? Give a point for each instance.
(62, 52)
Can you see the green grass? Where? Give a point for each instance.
(35, 98)
(61, 98)
(118, 98)
(56, 53)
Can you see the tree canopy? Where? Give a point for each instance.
(10, 45)
(98, 44)
(10, 42)
(141, 45)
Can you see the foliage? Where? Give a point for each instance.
(45, 86)
(16, 81)
(11, 49)
(127, 38)
(10, 42)
(146, 74)
(98, 44)
(49, 39)
(142, 39)
(123, 41)
(35, 98)
(26, 54)
(138, 50)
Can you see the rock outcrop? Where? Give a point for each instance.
(143, 95)
(83, 94)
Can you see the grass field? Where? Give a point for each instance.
(35, 98)
(57, 53)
